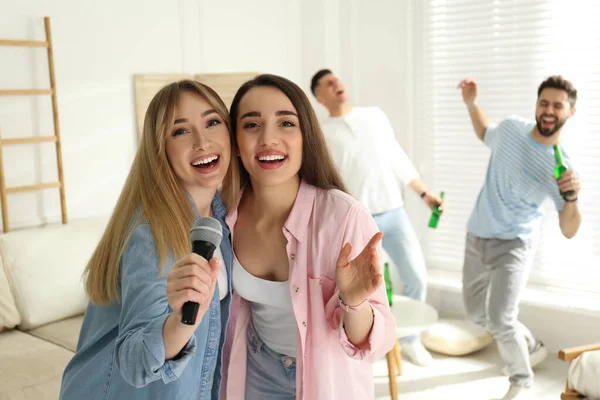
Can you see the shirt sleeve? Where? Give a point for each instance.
(140, 349)
(490, 137)
(359, 229)
(401, 164)
(511, 125)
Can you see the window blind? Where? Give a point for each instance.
(509, 47)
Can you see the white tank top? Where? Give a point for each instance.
(271, 305)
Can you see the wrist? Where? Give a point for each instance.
(349, 304)
(425, 193)
(175, 326)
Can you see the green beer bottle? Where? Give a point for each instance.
(559, 168)
(388, 282)
(435, 214)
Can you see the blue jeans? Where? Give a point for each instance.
(269, 375)
(401, 243)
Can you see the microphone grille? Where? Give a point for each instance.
(207, 229)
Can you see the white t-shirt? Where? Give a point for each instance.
(369, 158)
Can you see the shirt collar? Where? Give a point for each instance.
(297, 222)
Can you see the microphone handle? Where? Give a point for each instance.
(190, 308)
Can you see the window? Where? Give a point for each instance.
(509, 47)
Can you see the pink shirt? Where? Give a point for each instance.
(328, 366)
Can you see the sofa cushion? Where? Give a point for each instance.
(584, 372)
(30, 368)
(9, 316)
(63, 333)
(455, 337)
(44, 267)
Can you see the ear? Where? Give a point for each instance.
(573, 109)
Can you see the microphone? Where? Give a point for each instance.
(206, 235)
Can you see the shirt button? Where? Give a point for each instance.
(297, 289)
(293, 256)
(304, 323)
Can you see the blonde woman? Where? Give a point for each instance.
(132, 344)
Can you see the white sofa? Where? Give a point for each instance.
(42, 300)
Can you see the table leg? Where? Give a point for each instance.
(398, 354)
(391, 362)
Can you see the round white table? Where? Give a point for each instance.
(412, 317)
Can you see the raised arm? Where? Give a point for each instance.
(469, 93)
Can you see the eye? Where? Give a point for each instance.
(179, 131)
(250, 125)
(213, 122)
(288, 124)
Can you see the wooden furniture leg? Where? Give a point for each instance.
(391, 362)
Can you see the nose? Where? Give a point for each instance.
(548, 109)
(268, 136)
(200, 139)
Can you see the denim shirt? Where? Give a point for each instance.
(120, 353)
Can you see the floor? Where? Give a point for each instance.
(476, 377)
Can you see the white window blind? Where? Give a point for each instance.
(509, 47)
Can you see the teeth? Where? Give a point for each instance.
(271, 158)
(205, 160)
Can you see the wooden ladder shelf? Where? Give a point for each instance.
(60, 185)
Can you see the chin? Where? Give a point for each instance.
(277, 181)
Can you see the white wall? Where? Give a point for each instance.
(99, 46)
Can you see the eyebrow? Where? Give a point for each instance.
(278, 114)
(203, 115)
(551, 101)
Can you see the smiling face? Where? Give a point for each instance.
(269, 138)
(198, 144)
(552, 111)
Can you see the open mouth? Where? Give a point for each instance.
(207, 163)
(548, 122)
(339, 93)
(271, 161)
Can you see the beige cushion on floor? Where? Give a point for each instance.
(584, 374)
(30, 368)
(455, 337)
(63, 333)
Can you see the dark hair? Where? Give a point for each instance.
(314, 82)
(558, 82)
(317, 167)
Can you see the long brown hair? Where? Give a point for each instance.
(152, 188)
(317, 167)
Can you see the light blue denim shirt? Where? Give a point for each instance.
(120, 352)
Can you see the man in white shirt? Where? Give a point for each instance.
(372, 163)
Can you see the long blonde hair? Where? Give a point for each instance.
(152, 188)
